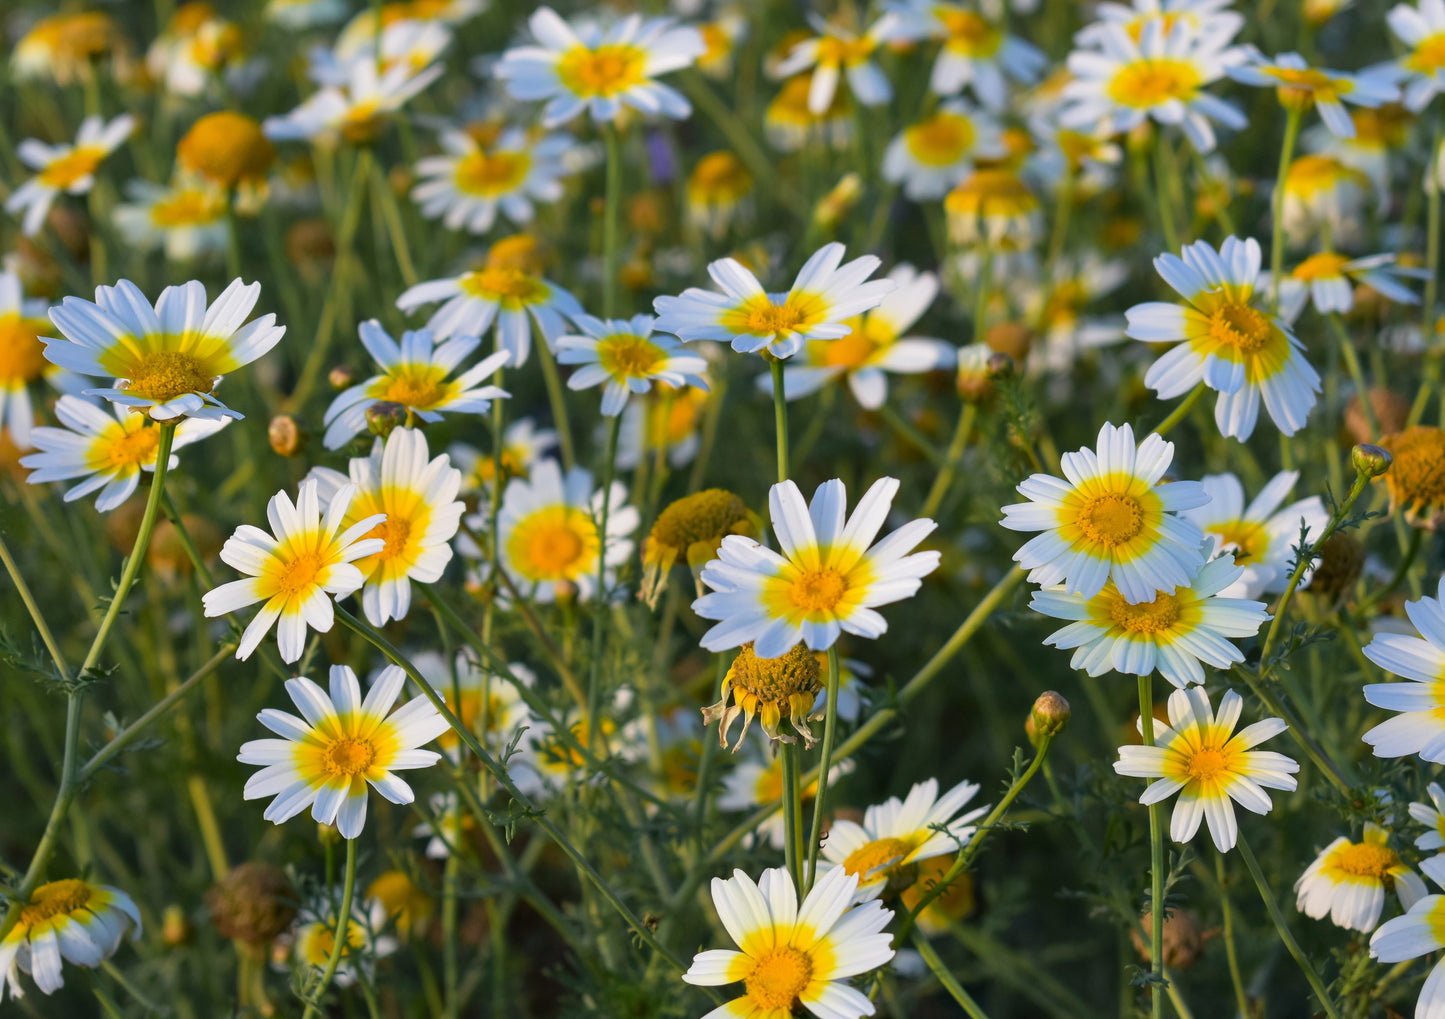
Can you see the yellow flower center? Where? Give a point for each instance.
(1249, 539)
(163, 375)
(55, 899)
(420, 387)
(759, 316)
(1147, 83)
(188, 208)
(1111, 519)
(481, 174)
(1299, 88)
(720, 177)
(818, 590)
(316, 948)
(629, 356)
(128, 450)
(499, 282)
(833, 50)
(1417, 474)
(875, 854)
(991, 193)
(969, 33)
(227, 147)
(778, 977)
(299, 574)
(1308, 176)
(555, 543)
(1207, 764)
(857, 348)
(1325, 265)
(605, 71)
(703, 516)
(1429, 55)
(1365, 859)
(1154, 616)
(940, 140)
(361, 122)
(776, 680)
(348, 757)
(71, 167)
(395, 530)
(1237, 325)
(22, 355)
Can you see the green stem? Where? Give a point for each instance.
(1316, 984)
(1236, 977)
(1276, 249)
(780, 417)
(1357, 374)
(36, 616)
(348, 889)
(944, 977)
(792, 805)
(556, 398)
(391, 215)
(910, 434)
(1156, 860)
(1181, 410)
(600, 601)
(825, 762)
(449, 936)
(968, 411)
(1433, 352)
(1163, 191)
(609, 219)
(233, 238)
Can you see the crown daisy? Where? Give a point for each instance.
(1111, 520)
(836, 52)
(974, 51)
(1199, 756)
(1422, 29)
(1300, 86)
(625, 356)
(930, 157)
(1420, 726)
(168, 359)
(65, 921)
(1348, 881)
(1261, 536)
(468, 184)
(770, 689)
(67, 168)
(829, 576)
(326, 759)
(793, 956)
(1419, 932)
(690, 530)
(1432, 816)
(1416, 478)
(22, 355)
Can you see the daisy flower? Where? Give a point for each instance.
(414, 374)
(722, 36)
(68, 168)
(825, 294)
(793, 956)
(66, 48)
(930, 157)
(294, 569)
(1211, 20)
(1261, 536)
(975, 52)
(897, 834)
(1161, 75)
(829, 576)
(1199, 755)
(587, 68)
(356, 110)
(1348, 880)
(1322, 193)
(667, 419)
(626, 356)
(790, 126)
(313, 937)
(418, 498)
(168, 359)
(1432, 816)
(1111, 520)
(70, 920)
(487, 704)
(326, 759)
(1327, 280)
(994, 207)
(719, 191)
(1422, 30)
(507, 296)
(1301, 86)
(769, 689)
(187, 218)
(876, 346)
(467, 185)
(547, 532)
(1420, 726)
(836, 52)
(1173, 633)
(523, 444)
(22, 355)
(108, 450)
(1239, 351)
(197, 49)
(411, 43)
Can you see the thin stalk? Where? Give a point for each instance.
(1432, 282)
(348, 889)
(1316, 984)
(450, 969)
(1164, 191)
(792, 806)
(600, 602)
(780, 418)
(1276, 248)
(1357, 374)
(396, 229)
(1181, 410)
(1156, 860)
(1236, 976)
(705, 766)
(968, 411)
(36, 616)
(830, 724)
(609, 219)
(233, 238)
(556, 399)
(944, 977)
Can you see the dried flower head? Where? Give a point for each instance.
(253, 903)
(691, 529)
(226, 147)
(1416, 478)
(770, 688)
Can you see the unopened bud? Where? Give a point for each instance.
(341, 377)
(383, 418)
(1369, 460)
(839, 202)
(1012, 338)
(175, 928)
(1049, 715)
(285, 435)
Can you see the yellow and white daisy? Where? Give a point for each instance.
(829, 577)
(67, 168)
(418, 498)
(412, 43)
(825, 294)
(1420, 726)
(358, 35)
(1422, 29)
(355, 111)
(719, 191)
(793, 956)
(523, 444)
(295, 570)
(933, 155)
(166, 359)
(197, 50)
(296, 15)
(66, 48)
(1162, 75)
(722, 36)
(876, 346)
(548, 532)
(1173, 633)
(313, 938)
(186, 218)
(487, 704)
(1420, 931)
(506, 297)
(1301, 86)
(1324, 194)
(1199, 756)
(1328, 279)
(108, 450)
(1432, 816)
(65, 921)
(1348, 880)
(757, 781)
(1209, 19)
(1225, 341)
(897, 834)
(414, 375)
(790, 126)
(666, 418)
(975, 52)
(583, 67)
(22, 355)
(469, 183)
(626, 356)
(994, 207)
(837, 52)
(327, 758)
(1110, 520)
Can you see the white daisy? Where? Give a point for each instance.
(975, 52)
(1348, 881)
(1327, 280)
(1420, 726)
(67, 168)
(65, 921)
(836, 52)
(355, 111)
(625, 357)
(523, 444)
(1300, 85)
(1211, 20)
(1261, 537)
(187, 218)
(467, 185)
(1432, 816)
(1422, 30)
(930, 157)
(22, 355)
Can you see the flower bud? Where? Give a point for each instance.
(341, 377)
(1049, 715)
(1369, 460)
(838, 202)
(254, 903)
(285, 435)
(383, 418)
(328, 834)
(175, 927)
